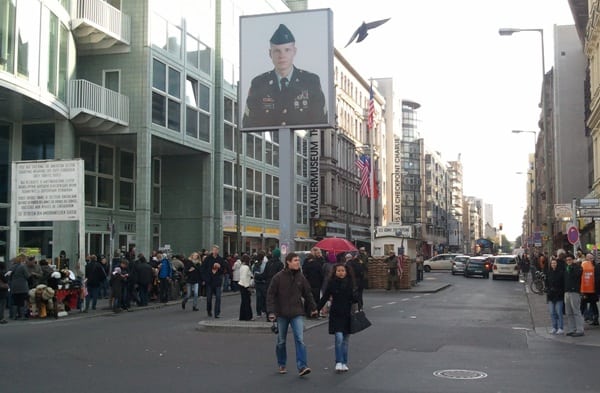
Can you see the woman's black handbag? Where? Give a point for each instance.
(358, 322)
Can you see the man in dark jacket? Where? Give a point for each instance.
(213, 270)
(273, 267)
(573, 298)
(144, 278)
(314, 273)
(288, 289)
(359, 276)
(94, 277)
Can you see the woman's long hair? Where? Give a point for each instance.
(349, 273)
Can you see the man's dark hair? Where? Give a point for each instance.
(290, 256)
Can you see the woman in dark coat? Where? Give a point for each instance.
(555, 294)
(341, 290)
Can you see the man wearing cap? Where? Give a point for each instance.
(285, 96)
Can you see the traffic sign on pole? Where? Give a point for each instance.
(573, 234)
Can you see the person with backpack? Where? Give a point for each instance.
(165, 274)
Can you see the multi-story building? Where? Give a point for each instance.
(437, 202)
(342, 210)
(145, 93)
(455, 218)
(473, 222)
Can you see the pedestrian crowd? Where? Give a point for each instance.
(572, 287)
(284, 292)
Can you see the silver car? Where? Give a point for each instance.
(458, 264)
(439, 262)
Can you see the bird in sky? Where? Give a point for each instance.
(361, 32)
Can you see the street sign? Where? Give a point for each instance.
(573, 234)
(589, 202)
(589, 212)
(563, 211)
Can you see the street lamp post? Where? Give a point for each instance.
(547, 135)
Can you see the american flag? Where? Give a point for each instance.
(371, 109)
(364, 166)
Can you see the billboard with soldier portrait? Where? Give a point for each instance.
(286, 71)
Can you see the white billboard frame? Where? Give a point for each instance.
(48, 190)
(313, 33)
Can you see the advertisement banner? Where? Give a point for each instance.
(286, 71)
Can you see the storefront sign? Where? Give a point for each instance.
(395, 230)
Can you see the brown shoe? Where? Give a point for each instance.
(282, 370)
(304, 371)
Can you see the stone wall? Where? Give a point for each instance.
(378, 273)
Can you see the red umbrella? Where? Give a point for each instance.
(336, 245)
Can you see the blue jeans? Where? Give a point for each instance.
(556, 313)
(191, 290)
(92, 295)
(210, 291)
(297, 324)
(341, 347)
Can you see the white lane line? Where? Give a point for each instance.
(376, 306)
(416, 297)
(391, 302)
(405, 299)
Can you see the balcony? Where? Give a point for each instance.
(100, 26)
(94, 108)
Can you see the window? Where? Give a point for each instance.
(271, 197)
(254, 146)
(301, 156)
(301, 204)
(57, 57)
(4, 167)
(166, 90)
(156, 180)
(127, 181)
(229, 186)
(99, 174)
(229, 128)
(38, 142)
(197, 100)
(272, 148)
(165, 35)
(254, 192)
(7, 38)
(28, 40)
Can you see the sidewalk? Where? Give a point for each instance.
(540, 317)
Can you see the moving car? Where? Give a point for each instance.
(477, 266)
(439, 262)
(458, 264)
(505, 266)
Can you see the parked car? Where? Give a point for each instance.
(458, 264)
(477, 266)
(439, 262)
(505, 266)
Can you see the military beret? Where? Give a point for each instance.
(282, 35)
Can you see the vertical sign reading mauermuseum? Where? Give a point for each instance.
(314, 153)
(48, 190)
(397, 184)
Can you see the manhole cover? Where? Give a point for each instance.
(460, 374)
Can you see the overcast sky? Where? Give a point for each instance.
(474, 86)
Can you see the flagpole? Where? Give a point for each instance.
(372, 185)
(370, 127)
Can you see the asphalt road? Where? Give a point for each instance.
(474, 336)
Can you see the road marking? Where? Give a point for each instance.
(376, 306)
(405, 299)
(391, 302)
(416, 297)
(413, 317)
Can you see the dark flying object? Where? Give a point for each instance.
(361, 32)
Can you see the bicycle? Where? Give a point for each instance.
(538, 284)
